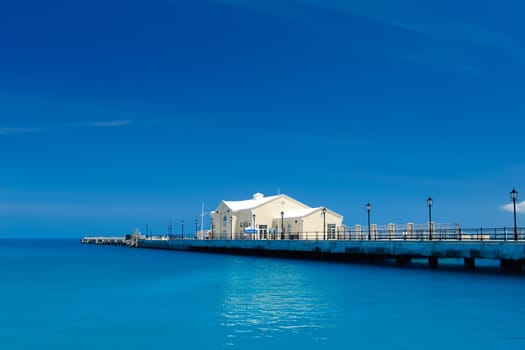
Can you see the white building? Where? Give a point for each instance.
(274, 217)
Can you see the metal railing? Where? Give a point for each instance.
(363, 233)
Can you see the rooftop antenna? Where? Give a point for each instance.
(278, 190)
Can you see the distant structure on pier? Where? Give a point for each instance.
(274, 217)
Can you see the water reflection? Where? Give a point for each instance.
(271, 298)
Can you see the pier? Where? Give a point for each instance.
(101, 240)
(255, 227)
(510, 254)
(503, 245)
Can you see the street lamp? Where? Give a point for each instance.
(368, 208)
(514, 197)
(254, 227)
(182, 231)
(211, 224)
(231, 227)
(196, 227)
(282, 225)
(429, 203)
(324, 222)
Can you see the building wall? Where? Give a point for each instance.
(308, 227)
(244, 220)
(292, 227)
(221, 222)
(266, 214)
(313, 224)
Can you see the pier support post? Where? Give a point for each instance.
(403, 260)
(470, 264)
(374, 259)
(512, 266)
(433, 262)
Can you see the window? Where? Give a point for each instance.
(263, 231)
(330, 231)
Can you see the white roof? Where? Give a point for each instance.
(298, 213)
(249, 203)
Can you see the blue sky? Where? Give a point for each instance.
(114, 114)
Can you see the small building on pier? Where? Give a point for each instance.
(273, 217)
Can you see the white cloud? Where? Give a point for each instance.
(109, 124)
(103, 124)
(520, 207)
(10, 131)
(62, 210)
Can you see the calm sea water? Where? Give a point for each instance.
(59, 294)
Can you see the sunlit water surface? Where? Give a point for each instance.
(59, 294)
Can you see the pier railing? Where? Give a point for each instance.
(414, 233)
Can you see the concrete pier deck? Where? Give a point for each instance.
(511, 254)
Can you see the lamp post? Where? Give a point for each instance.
(323, 210)
(368, 208)
(429, 203)
(211, 224)
(182, 231)
(514, 197)
(196, 227)
(254, 226)
(231, 227)
(282, 225)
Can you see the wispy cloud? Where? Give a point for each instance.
(520, 207)
(439, 56)
(450, 38)
(109, 124)
(10, 131)
(65, 126)
(414, 16)
(462, 32)
(64, 210)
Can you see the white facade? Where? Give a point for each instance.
(274, 217)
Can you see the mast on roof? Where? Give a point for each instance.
(202, 218)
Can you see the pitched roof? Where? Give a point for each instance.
(298, 213)
(301, 213)
(249, 203)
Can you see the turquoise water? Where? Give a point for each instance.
(59, 294)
